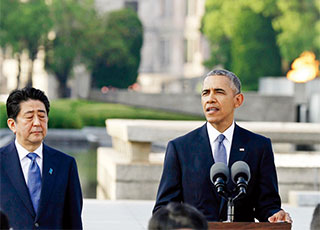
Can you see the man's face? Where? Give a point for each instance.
(218, 101)
(31, 123)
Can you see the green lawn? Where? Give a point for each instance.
(67, 113)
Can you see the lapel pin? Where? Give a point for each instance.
(241, 149)
(50, 171)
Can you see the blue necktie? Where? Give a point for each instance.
(220, 153)
(34, 181)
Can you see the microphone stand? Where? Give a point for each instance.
(220, 186)
(230, 214)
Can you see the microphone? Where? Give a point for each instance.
(240, 174)
(219, 176)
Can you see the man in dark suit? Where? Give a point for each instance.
(40, 187)
(188, 159)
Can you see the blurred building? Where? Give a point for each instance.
(173, 48)
(9, 70)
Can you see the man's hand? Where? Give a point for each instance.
(280, 216)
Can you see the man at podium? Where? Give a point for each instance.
(186, 172)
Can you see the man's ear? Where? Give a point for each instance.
(12, 125)
(238, 100)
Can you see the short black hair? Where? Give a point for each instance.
(235, 81)
(25, 94)
(177, 215)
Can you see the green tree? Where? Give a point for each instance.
(239, 33)
(298, 24)
(217, 26)
(119, 59)
(24, 25)
(7, 19)
(254, 51)
(116, 66)
(7, 8)
(71, 20)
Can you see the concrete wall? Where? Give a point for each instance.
(256, 107)
(134, 173)
(120, 179)
(276, 86)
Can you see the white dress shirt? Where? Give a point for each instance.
(25, 161)
(213, 134)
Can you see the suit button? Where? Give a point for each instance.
(36, 225)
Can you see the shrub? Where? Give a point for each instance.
(3, 116)
(75, 114)
(64, 119)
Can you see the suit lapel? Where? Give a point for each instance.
(12, 166)
(48, 177)
(204, 144)
(238, 150)
(239, 146)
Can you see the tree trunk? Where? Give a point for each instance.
(30, 74)
(19, 70)
(63, 90)
(33, 55)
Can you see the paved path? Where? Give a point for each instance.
(116, 215)
(134, 215)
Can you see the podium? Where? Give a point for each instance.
(249, 225)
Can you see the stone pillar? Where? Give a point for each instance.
(136, 151)
(314, 110)
(118, 178)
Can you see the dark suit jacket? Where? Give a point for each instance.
(61, 198)
(186, 176)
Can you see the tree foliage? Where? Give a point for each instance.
(296, 24)
(242, 39)
(7, 8)
(24, 26)
(105, 44)
(253, 49)
(119, 59)
(65, 47)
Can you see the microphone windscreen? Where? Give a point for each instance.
(219, 169)
(240, 169)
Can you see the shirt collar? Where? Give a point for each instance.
(22, 152)
(213, 133)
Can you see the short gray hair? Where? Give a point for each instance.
(235, 81)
